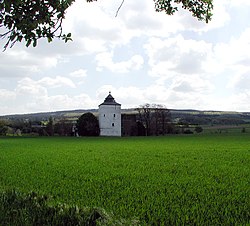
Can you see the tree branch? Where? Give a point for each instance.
(119, 8)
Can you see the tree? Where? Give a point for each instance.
(4, 125)
(161, 118)
(202, 9)
(50, 127)
(140, 129)
(30, 20)
(145, 116)
(63, 127)
(88, 125)
(198, 129)
(155, 118)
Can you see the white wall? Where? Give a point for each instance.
(110, 120)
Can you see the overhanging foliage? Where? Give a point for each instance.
(29, 20)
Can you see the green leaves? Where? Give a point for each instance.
(7, 5)
(27, 20)
(49, 39)
(67, 37)
(201, 9)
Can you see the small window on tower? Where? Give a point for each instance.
(114, 115)
(113, 124)
(104, 115)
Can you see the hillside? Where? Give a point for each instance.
(186, 116)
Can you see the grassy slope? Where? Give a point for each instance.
(175, 179)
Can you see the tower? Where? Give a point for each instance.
(110, 117)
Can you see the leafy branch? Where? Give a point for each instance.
(31, 20)
(201, 9)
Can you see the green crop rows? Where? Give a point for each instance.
(176, 180)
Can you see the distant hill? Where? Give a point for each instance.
(188, 116)
(41, 116)
(211, 117)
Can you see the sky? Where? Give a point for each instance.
(140, 56)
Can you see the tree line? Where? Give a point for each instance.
(148, 120)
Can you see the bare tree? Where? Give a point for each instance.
(144, 112)
(154, 117)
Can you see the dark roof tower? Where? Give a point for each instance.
(109, 100)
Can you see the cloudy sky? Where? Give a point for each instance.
(140, 56)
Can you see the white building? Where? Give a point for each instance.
(110, 117)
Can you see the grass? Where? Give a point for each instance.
(31, 209)
(226, 129)
(188, 180)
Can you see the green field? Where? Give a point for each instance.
(176, 180)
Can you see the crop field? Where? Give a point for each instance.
(172, 180)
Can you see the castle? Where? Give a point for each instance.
(110, 117)
(112, 122)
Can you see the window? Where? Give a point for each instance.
(104, 115)
(113, 124)
(114, 115)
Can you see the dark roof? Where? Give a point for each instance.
(109, 100)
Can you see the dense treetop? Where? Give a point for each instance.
(30, 20)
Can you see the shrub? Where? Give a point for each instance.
(31, 209)
(198, 129)
(188, 131)
(88, 125)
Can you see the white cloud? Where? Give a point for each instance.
(159, 94)
(29, 87)
(194, 84)
(39, 88)
(79, 73)
(240, 3)
(58, 81)
(179, 61)
(55, 102)
(231, 58)
(177, 55)
(6, 95)
(20, 63)
(219, 19)
(240, 82)
(234, 102)
(104, 90)
(105, 61)
(60, 102)
(92, 28)
(239, 101)
(127, 96)
(234, 53)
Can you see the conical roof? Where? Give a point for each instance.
(109, 100)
